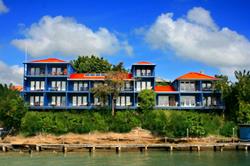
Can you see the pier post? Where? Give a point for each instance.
(4, 148)
(221, 148)
(92, 149)
(146, 148)
(246, 148)
(118, 149)
(38, 148)
(65, 149)
(171, 148)
(198, 148)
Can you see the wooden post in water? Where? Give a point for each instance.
(65, 149)
(4, 148)
(246, 148)
(118, 149)
(92, 149)
(198, 148)
(38, 148)
(171, 148)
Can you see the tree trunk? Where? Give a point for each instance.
(113, 107)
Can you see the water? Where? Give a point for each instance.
(155, 158)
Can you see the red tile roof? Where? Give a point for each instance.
(144, 63)
(49, 60)
(196, 76)
(83, 76)
(164, 88)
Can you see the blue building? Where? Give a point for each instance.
(53, 84)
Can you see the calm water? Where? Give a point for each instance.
(155, 158)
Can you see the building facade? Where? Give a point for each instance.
(54, 84)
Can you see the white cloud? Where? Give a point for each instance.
(11, 74)
(196, 36)
(3, 8)
(66, 36)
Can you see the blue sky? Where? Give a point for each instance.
(207, 35)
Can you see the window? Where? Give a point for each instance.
(80, 86)
(123, 101)
(97, 101)
(138, 86)
(127, 86)
(79, 100)
(187, 86)
(36, 71)
(206, 86)
(58, 85)
(36, 101)
(188, 101)
(138, 72)
(58, 71)
(141, 85)
(58, 101)
(149, 85)
(163, 100)
(209, 101)
(149, 72)
(37, 85)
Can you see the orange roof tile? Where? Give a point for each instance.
(50, 60)
(83, 76)
(144, 63)
(196, 76)
(164, 88)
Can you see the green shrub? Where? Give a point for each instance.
(227, 129)
(31, 124)
(146, 100)
(124, 122)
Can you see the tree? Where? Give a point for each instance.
(91, 64)
(146, 100)
(115, 81)
(119, 67)
(12, 107)
(102, 92)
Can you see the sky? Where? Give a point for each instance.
(179, 36)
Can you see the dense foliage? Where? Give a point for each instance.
(159, 122)
(236, 96)
(91, 64)
(95, 64)
(12, 107)
(146, 100)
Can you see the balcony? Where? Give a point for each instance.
(58, 72)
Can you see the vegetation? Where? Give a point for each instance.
(159, 122)
(12, 107)
(146, 100)
(236, 96)
(95, 64)
(91, 64)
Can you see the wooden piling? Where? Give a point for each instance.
(65, 149)
(4, 148)
(118, 149)
(38, 148)
(246, 148)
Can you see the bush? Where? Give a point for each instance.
(124, 122)
(227, 129)
(146, 100)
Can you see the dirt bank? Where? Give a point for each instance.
(136, 136)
